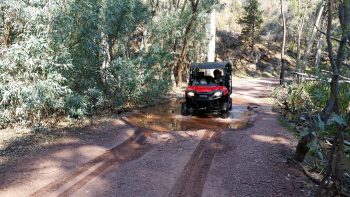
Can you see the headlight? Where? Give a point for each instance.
(217, 94)
(190, 94)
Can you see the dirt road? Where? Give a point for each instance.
(157, 152)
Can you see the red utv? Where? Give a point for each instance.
(209, 89)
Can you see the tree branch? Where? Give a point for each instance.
(324, 33)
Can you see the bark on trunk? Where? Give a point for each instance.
(302, 147)
(283, 45)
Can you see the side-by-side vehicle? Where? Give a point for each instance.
(209, 89)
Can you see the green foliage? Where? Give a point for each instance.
(31, 84)
(77, 58)
(310, 97)
(76, 106)
(302, 104)
(136, 82)
(251, 21)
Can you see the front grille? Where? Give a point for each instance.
(203, 96)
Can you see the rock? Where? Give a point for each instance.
(217, 146)
(265, 57)
(165, 136)
(265, 67)
(251, 67)
(140, 139)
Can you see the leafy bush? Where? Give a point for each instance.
(4, 118)
(79, 57)
(76, 106)
(79, 106)
(310, 97)
(30, 85)
(95, 100)
(136, 82)
(319, 93)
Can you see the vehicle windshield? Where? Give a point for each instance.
(206, 77)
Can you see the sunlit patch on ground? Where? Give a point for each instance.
(271, 139)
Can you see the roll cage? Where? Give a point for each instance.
(197, 71)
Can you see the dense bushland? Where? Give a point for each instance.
(76, 58)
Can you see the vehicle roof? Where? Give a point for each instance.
(211, 65)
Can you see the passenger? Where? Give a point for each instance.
(218, 77)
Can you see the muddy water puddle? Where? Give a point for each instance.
(167, 117)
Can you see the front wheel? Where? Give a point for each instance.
(225, 110)
(184, 109)
(230, 104)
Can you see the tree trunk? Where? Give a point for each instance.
(312, 38)
(298, 64)
(179, 63)
(301, 17)
(252, 39)
(283, 45)
(181, 58)
(211, 47)
(319, 52)
(302, 147)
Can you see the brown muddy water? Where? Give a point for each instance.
(167, 117)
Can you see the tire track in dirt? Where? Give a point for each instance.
(129, 150)
(192, 179)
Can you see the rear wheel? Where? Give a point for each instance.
(184, 109)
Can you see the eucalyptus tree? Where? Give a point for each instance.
(300, 11)
(301, 22)
(251, 22)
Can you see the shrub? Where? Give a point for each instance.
(95, 100)
(31, 88)
(136, 81)
(76, 106)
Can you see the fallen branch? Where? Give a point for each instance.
(340, 76)
(315, 78)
